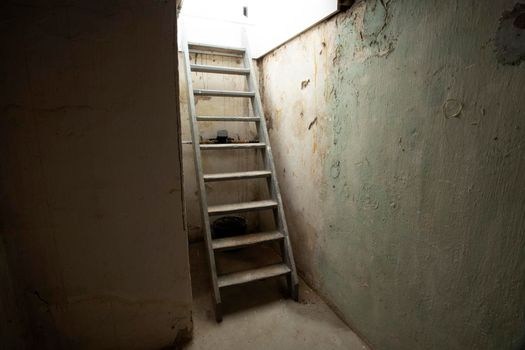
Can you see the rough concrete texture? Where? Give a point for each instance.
(401, 165)
(257, 316)
(90, 174)
(224, 161)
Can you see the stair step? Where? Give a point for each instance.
(223, 93)
(216, 49)
(219, 70)
(237, 176)
(215, 53)
(205, 118)
(219, 146)
(244, 240)
(252, 275)
(240, 207)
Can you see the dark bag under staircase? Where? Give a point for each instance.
(280, 234)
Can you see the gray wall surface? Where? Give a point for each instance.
(398, 131)
(90, 169)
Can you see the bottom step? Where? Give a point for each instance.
(252, 275)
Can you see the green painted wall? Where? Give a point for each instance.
(400, 141)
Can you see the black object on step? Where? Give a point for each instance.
(222, 136)
(228, 226)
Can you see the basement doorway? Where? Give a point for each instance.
(243, 245)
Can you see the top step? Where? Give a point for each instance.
(216, 50)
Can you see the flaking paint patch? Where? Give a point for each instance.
(335, 169)
(370, 19)
(510, 37)
(304, 84)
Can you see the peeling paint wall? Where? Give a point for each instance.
(510, 41)
(220, 161)
(90, 169)
(398, 134)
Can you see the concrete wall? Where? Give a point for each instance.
(12, 334)
(223, 161)
(90, 168)
(398, 131)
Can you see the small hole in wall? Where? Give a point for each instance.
(245, 11)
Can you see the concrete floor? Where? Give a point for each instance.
(257, 315)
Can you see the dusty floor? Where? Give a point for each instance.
(258, 316)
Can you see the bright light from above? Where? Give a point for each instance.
(269, 23)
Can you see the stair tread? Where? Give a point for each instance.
(237, 175)
(244, 240)
(217, 146)
(252, 275)
(219, 69)
(227, 93)
(216, 48)
(240, 207)
(206, 118)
